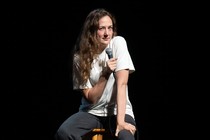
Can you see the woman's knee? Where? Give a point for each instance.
(125, 135)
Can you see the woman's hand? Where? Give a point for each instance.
(111, 65)
(126, 126)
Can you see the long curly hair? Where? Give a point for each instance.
(86, 46)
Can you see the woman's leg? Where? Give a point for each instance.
(76, 126)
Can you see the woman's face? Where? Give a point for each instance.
(105, 31)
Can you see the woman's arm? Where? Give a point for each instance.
(122, 80)
(93, 94)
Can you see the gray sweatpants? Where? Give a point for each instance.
(80, 123)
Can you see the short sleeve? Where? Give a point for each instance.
(120, 51)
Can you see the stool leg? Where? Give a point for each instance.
(97, 137)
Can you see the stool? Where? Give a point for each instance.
(98, 134)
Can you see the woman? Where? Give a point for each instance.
(101, 80)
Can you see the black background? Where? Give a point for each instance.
(40, 36)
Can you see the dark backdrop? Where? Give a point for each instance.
(40, 36)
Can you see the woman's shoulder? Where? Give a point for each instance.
(118, 38)
(76, 57)
(119, 41)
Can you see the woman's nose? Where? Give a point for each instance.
(106, 33)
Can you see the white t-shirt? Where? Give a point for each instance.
(106, 106)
